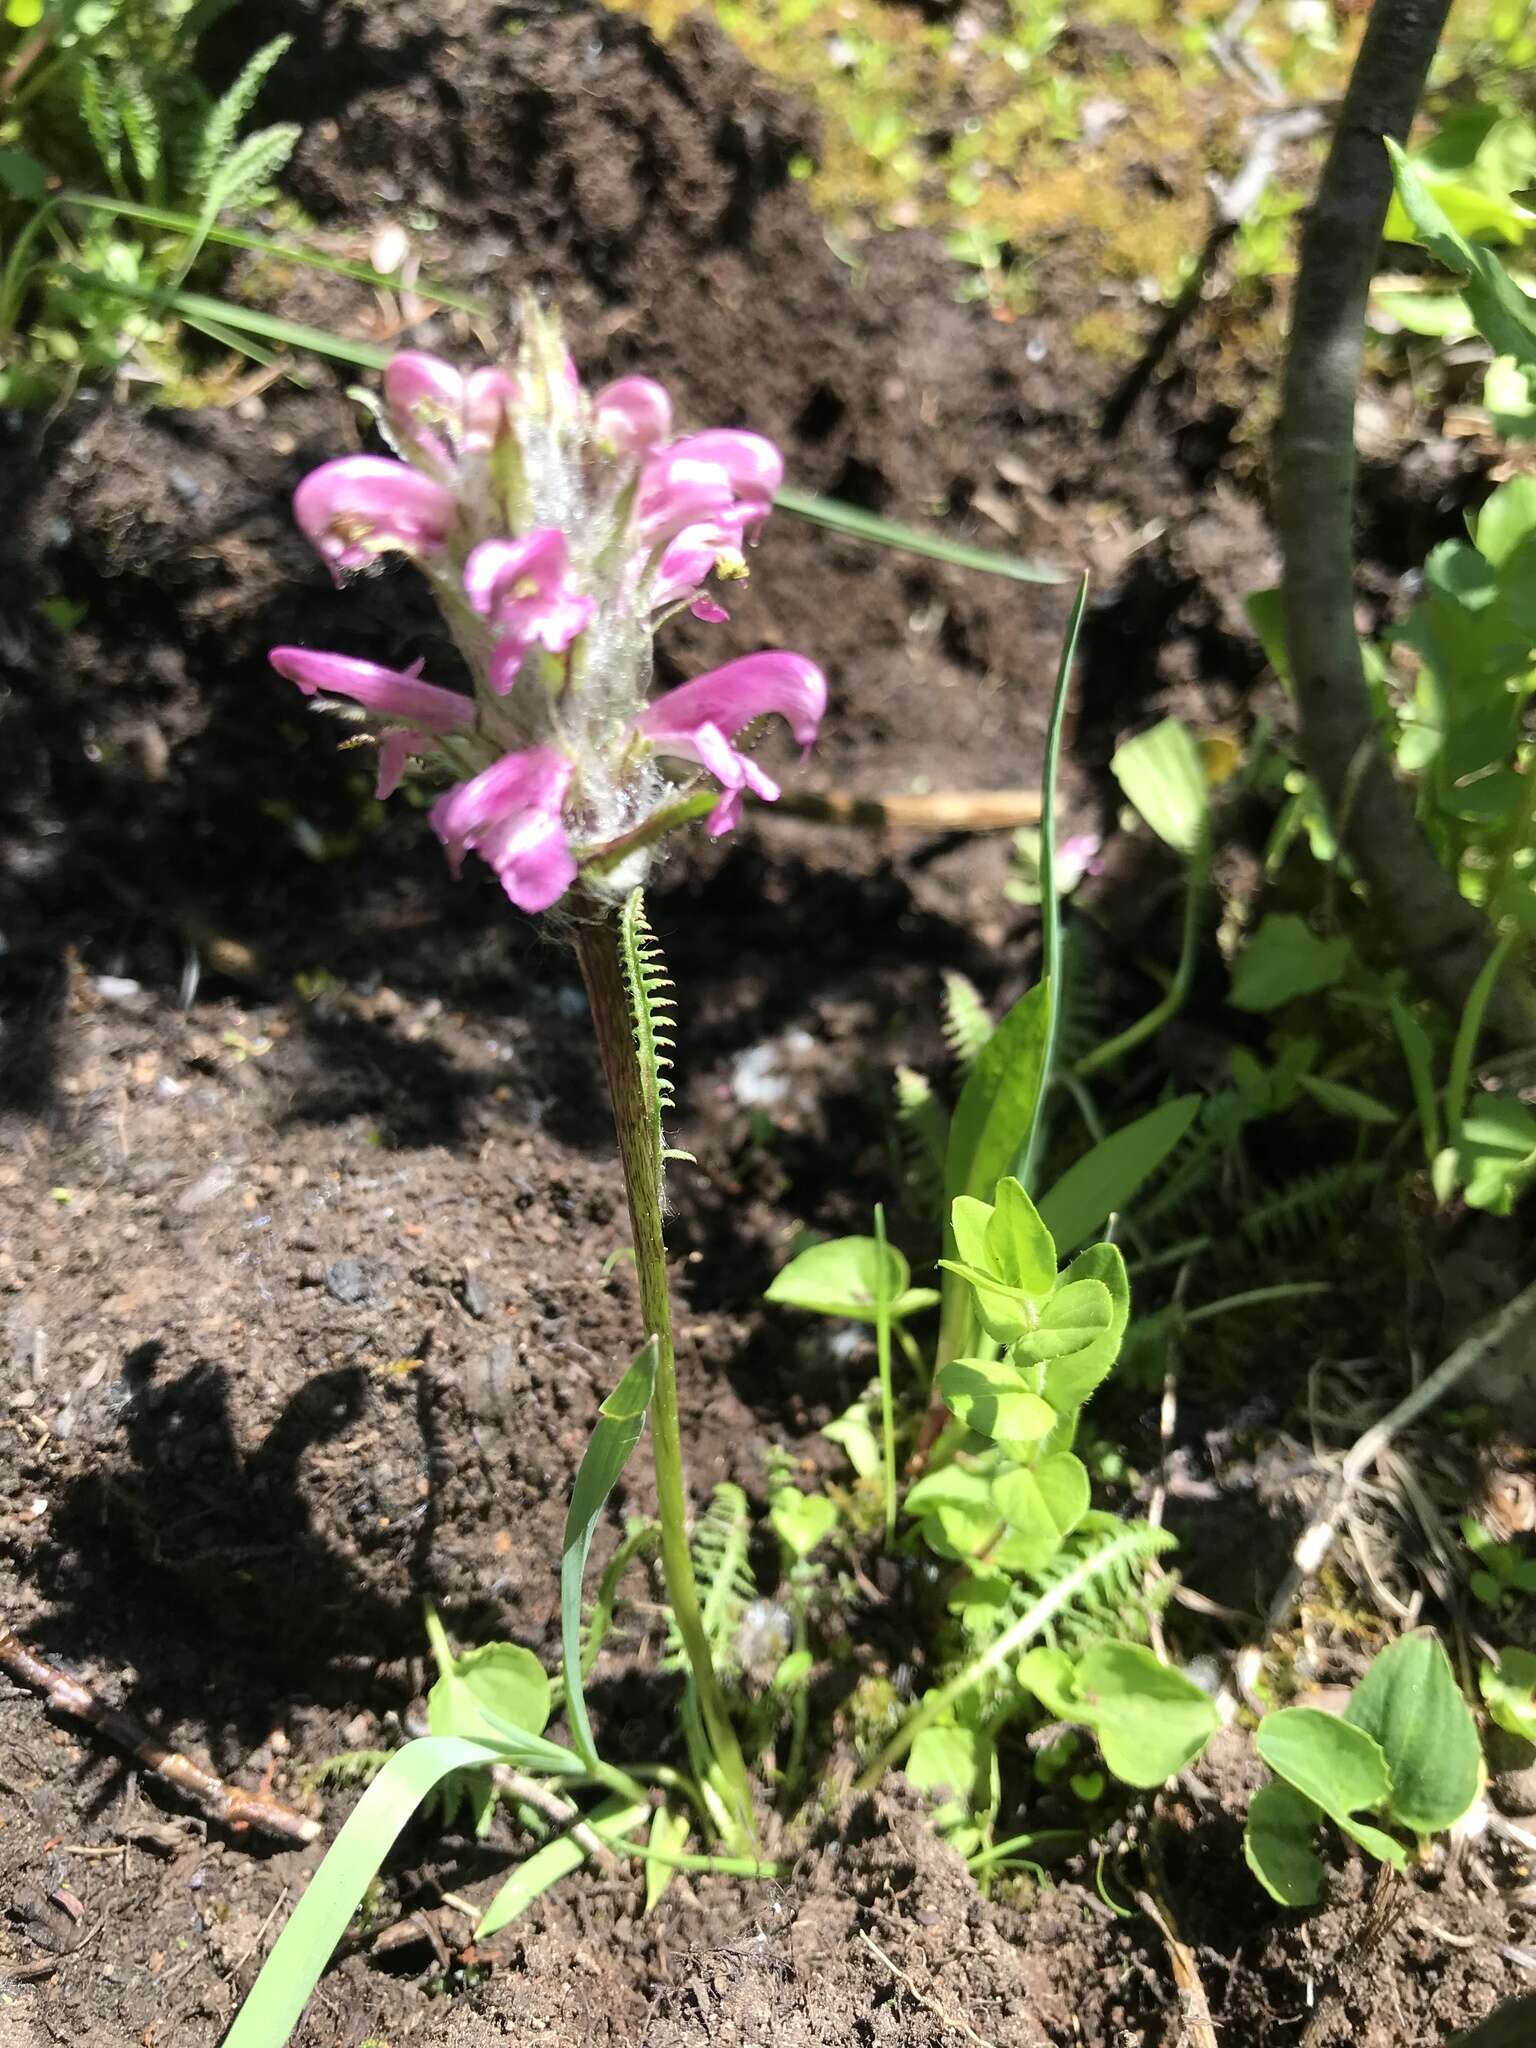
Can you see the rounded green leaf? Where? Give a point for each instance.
(1020, 1250)
(1277, 1844)
(497, 1686)
(842, 1278)
(1077, 1315)
(1043, 1504)
(1051, 1677)
(1509, 1689)
(1410, 1704)
(801, 1520)
(1150, 1719)
(1337, 1765)
(987, 1395)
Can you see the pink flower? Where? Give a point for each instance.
(525, 588)
(397, 693)
(364, 505)
(698, 720)
(632, 415)
(510, 815)
(754, 466)
(681, 491)
(437, 414)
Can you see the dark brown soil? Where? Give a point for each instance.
(308, 1189)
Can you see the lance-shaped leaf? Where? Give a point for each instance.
(620, 1421)
(1410, 1703)
(1106, 1177)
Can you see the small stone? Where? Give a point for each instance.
(473, 1295)
(218, 1180)
(347, 1281)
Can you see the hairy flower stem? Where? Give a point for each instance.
(597, 949)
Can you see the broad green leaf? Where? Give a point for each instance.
(22, 175)
(1353, 1103)
(1043, 1504)
(1070, 1380)
(1150, 1719)
(955, 1507)
(1164, 780)
(1426, 308)
(1284, 958)
(669, 1833)
(1277, 1843)
(1410, 1704)
(1077, 1316)
(1509, 398)
(991, 1123)
(1019, 1247)
(990, 1397)
(1497, 1152)
(1505, 519)
(1052, 1677)
(1338, 1766)
(842, 1278)
(1106, 1177)
(275, 2002)
(1509, 1690)
(620, 1421)
(545, 1867)
(801, 1520)
(1505, 316)
(488, 1690)
(1375, 1841)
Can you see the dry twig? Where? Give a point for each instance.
(232, 1805)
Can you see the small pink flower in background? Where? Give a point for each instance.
(526, 591)
(510, 815)
(557, 531)
(363, 506)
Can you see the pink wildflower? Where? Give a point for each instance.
(362, 506)
(510, 815)
(397, 693)
(697, 722)
(632, 415)
(526, 590)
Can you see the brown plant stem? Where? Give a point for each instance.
(227, 1803)
(597, 949)
(1442, 939)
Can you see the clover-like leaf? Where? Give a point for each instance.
(1020, 1250)
(990, 1396)
(1509, 1690)
(1079, 1314)
(1043, 1504)
(1150, 1719)
(801, 1520)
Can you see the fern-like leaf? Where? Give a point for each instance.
(650, 1003)
(1306, 1208)
(217, 140)
(349, 1767)
(922, 1134)
(967, 1020)
(139, 120)
(99, 112)
(720, 1564)
(250, 168)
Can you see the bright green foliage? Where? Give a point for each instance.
(115, 99)
(1409, 1701)
(959, 1766)
(1509, 1692)
(1107, 1176)
(801, 1520)
(1151, 1721)
(966, 1019)
(1504, 1573)
(842, 1276)
(1405, 1749)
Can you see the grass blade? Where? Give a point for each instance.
(620, 1421)
(1050, 903)
(277, 1999)
(536, 1873)
(910, 540)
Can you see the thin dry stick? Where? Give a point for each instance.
(1514, 1325)
(950, 810)
(227, 1803)
(562, 1812)
(953, 2021)
(1194, 2007)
